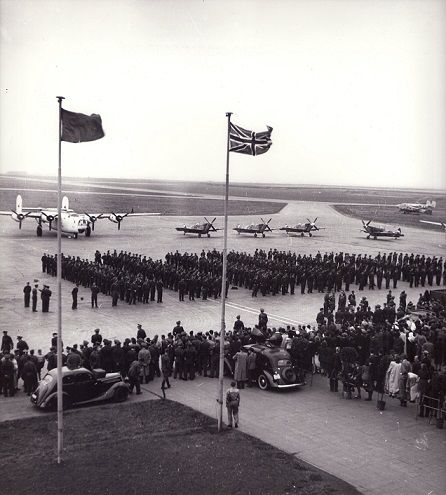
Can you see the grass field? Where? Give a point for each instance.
(157, 447)
(392, 216)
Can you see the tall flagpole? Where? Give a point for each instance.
(59, 293)
(223, 287)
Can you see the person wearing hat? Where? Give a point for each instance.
(177, 329)
(27, 294)
(74, 297)
(34, 298)
(21, 345)
(7, 343)
(45, 295)
(7, 373)
(263, 319)
(238, 324)
(96, 338)
(140, 333)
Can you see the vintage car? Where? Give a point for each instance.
(79, 386)
(273, 367)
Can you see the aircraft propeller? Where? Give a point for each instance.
(50, 219)
(118, 219)
(93, 219)
(19, 217)
(313, 224)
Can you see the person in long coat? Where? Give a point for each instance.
(240, 372)
(392, 377)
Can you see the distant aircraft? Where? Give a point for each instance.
(72, 223)
(443, 224)
(417, 208)
(199, 228)
(375, 231)
(302, 228)
(254, 228)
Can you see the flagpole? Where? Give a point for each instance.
(59, 293)
(223, 287)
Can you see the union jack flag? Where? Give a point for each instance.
(249, 142)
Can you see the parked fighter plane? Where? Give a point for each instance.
(254, 228)
(443, 224)
(199, 228)
(302, 228)
(418, 207)
(72, 223)
(375, 231)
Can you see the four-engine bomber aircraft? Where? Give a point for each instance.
(375, 231)
(72, 223)
(302, 228)
(417, 208)
(254, 228)
(199, 228)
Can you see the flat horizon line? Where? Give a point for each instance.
(215, 182)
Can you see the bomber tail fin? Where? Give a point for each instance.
(18, 204)
(65, 204)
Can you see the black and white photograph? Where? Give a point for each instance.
(223, 247)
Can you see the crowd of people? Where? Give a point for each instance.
(136, 278)
(383, 350)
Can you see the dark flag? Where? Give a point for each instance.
(78, 128)
(249, 142)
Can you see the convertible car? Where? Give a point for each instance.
(79, 386)
(273, 367)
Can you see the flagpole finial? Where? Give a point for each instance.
(228, 114)
(60, 98)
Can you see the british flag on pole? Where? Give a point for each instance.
(249, 142)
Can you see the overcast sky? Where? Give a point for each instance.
(355, 90)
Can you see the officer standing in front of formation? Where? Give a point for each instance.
(45, 295)
(27, 294)
(34, 298)
(94, 295)
(74, 297)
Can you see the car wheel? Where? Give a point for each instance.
(52, 404)
(263, 382)
(121, 394)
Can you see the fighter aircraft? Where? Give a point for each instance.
(199, 228)
(254, 228)
(417, 208)
(375, 231)
(443, 224)
(72, 223)
(302, 228)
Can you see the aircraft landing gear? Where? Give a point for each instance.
(39, 231)
(255, 235)
(368, 237)
(75, 236)
(263, 235)
(374, 237)
(199, 235)
(302, 234)
(209, 235)
(310, 234)
(88, 231)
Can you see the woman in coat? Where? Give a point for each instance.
(240, 373)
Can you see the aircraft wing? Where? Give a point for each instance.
(27, 214)
(101, 216)
(433, 223)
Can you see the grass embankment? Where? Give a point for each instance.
(157, 447)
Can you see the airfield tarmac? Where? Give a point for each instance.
(155, 236)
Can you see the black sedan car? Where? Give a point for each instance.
(273, 367)
(79, 386)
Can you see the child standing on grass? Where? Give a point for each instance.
(232, 404)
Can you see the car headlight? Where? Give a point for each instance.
(276, 376)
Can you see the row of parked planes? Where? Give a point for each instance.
(73, 223)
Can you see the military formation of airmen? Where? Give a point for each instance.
(135, 278)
